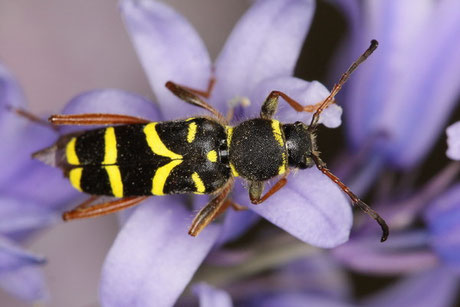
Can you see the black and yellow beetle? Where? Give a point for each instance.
(136, 158)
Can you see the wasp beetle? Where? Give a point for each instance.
(133, 158)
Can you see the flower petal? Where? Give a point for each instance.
(434, 288)
(212, 297)
(396, 95)
(294, 299)
(436, 88)
(304, 92)
(10, 96)
(235, 224)
(27, 283)
(18, 146)
(13, 257)
(23, 178)
(112, 101)
(153, 258)
(19, 272)
(310, 207)
(19, 216)
(373, 86)
(403, 253)
(169, 49)
(265, 43)
(43, 185)
(453, 141)
(317, 273)
(442, 217)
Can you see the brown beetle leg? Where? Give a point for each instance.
(85, 210)
(95, 119)
(256, 189)
(209, 212)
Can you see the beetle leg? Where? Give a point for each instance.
(205, 94)
(256, 189)
(85, 210)
(191, 97)
(95, 119)
(30, 116)
(338, 86)
(271, 105)
(209, 212)
(354, 199)
(236, 206)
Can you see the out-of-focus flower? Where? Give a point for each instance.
(453, 141)
(401, 99)
(28, 202)
(314, 279)
(210, 296)
(435, 283)
(443, 217)
(153, 258)
(397, 106)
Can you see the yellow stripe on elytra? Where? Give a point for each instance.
(282, 168)
(229, 141)
(234, 172)
(75, 177)
(161, 174)
(199, 185)
(212, 156)
(191, 132)
(277, 132)
(110, 155)
(229, 135)
(113, 171)
(71, 153)
(155, 143)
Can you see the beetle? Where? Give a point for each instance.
(132, 158)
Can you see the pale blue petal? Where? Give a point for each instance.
(453, 141)
(20, 274)
(296, 299)
(27, 283)
(402, 253)
(153, 258)
(265, 43)
(169, 50)
(13, 257)
(212, 297)
(11, 95)
(19, 215)
(432, 288)
(411, 80)
(310, 207)
(236, 223)
(443, 217)
(111, 101)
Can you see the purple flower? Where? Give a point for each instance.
(453, 141)
(153, 248)
(210, 296)
(27, 201)
(403, 96)
(442, 217)
(435, 282)
(314, 280)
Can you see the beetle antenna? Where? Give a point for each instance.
(338, 86)
(355, 200)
